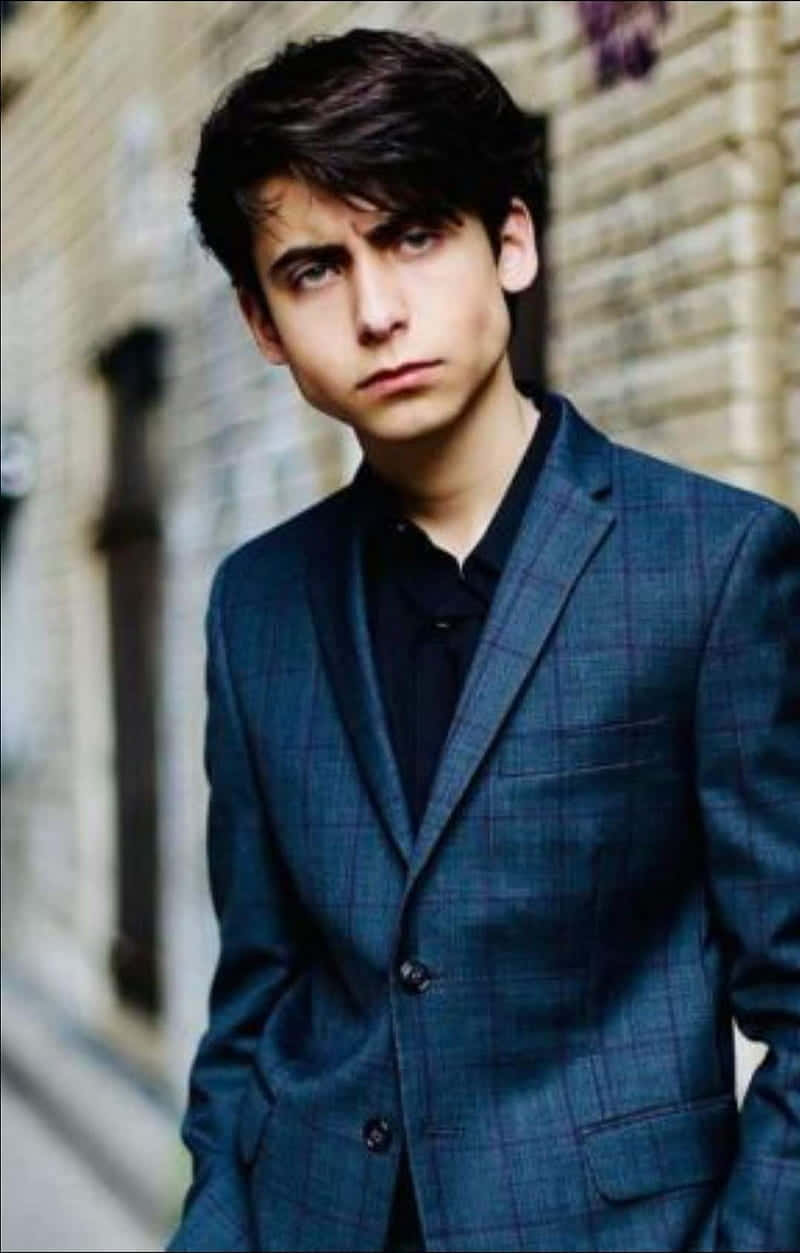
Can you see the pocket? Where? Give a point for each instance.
(599, 746)
(662, 1150)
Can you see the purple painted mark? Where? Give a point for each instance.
(623, 34)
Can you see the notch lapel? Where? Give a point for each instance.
(561, 529)
(563, 526)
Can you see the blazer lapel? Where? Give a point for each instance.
(338, 604)
(562, 528)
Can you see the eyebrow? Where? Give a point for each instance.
(385, 232)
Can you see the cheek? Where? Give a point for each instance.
(485, 325)
(479, 314)
(319, 366)
(316, 352)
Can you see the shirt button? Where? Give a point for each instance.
(414, 975)
(400, 526)
(443, 623)
(377, 1135)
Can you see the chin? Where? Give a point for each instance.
(402, 430)
(394, 419)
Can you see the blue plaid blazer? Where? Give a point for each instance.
(534, 992)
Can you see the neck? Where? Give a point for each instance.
(451, 482)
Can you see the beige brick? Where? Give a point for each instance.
(791, 271)
(789, 17)
(791, 82)
(646, 215)
(755, 107)
(790, 355)
(741, 237)
(672, 144)
(642, 390)
(756, 38)
(745, 299)
(790, 214)
(520, 65)
(682, 77)
(481, 20)
(690, 439)
(561, 30)
(769, 480)
(757, 430)
(571, 76)
(692, 21)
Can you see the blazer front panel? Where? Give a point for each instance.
(565, 1080)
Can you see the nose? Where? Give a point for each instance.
(379, 303)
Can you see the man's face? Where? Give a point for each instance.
(383, 293)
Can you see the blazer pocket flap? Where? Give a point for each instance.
(255, 1109)
(663, 1150)
(563, 749)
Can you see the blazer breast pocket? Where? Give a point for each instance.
(575, 749)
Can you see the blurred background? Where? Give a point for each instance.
(143, 437)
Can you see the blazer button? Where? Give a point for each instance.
(377, 1135)
(414, 975)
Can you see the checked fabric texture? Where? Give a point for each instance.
(607, 869)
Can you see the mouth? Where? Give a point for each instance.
(404, 376)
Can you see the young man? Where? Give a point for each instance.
(502, 738)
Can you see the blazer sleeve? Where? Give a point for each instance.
(259, 954)
(748, 778)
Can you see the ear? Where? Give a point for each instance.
(261, 326)
(518, 262)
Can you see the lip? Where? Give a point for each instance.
(404, 376)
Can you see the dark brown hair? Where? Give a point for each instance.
(407, 122)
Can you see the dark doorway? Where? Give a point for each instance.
(129, 534)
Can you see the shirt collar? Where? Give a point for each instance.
(384, 511)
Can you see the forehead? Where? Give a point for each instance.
(288, 207)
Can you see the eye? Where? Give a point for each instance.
(419, 237)
(311, 276)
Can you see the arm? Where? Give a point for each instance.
(748, 780)
(258, 956)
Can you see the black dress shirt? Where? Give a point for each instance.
(425, 615)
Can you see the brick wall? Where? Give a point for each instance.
(789, 145)
(669, 319)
